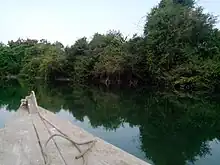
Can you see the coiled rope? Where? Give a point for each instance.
(64, 136)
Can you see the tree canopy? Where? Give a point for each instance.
(179, 49)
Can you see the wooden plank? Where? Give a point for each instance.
(52, 151)
(22, 111)
(19, 144)
(68, 151)
(102, 153)
(32, 103)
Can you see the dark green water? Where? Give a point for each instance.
(160, 129)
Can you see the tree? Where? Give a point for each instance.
(179, 49)
(176, 36)
(111, 58)
(43, 60)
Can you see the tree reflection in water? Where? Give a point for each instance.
(173, 130)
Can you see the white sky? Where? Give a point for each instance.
(68, 20)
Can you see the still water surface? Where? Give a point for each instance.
(159, 128)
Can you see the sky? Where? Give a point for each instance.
(68, 20)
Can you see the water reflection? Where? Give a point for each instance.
(170, 130)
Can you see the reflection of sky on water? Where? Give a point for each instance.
(4, 115)
(213, 158)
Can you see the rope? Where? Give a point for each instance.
(64, 136)
(24, 102)
(47, 160)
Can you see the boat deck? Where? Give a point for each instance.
(36, 136)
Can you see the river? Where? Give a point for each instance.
(160, 128)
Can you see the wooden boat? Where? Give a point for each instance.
(36, 136)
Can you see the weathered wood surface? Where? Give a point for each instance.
(22, 142)
(19, 144)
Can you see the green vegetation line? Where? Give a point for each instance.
(179, 50)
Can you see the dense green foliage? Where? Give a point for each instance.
(179, 49)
